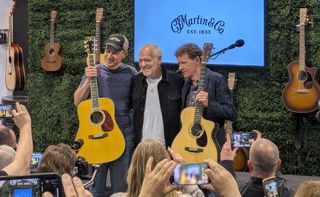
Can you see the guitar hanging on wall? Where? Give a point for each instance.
(52, 61)
(15, 75)
(194, 141)
(302, 93)
(242, 155)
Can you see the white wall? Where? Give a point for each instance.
(4, 24)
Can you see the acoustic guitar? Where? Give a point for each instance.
(98, 56)
(99, 136)
(15, 75)
(242, 155)
(302, 93)
(52, 61)
(195, 141)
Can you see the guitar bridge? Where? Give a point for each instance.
(302, 91)
(193, 150)
(98, 136)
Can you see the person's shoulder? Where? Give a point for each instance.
(129, 68)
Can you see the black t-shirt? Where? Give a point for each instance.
(3, 173)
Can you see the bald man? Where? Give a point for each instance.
(8, 137)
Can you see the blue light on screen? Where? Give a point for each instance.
(171, 23)
(22, 193)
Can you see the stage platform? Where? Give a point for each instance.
(293, 181)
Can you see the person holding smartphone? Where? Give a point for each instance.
(21, 163)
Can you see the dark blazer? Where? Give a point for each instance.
(169, 89)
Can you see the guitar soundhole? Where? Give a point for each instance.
(303, 76)
(196, 129)
(52, 52)
(96, 117)
(202, 141)
(108, 123)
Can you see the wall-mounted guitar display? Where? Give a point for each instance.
(52, 61)
(15, 71)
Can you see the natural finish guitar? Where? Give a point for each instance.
(52, 61)
(302, 93)
(15, 75)
(194, 142)
(99, 135)
(242, 155)
(99, 14)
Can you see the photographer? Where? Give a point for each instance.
(21, 163)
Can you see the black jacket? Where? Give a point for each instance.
(169, 89)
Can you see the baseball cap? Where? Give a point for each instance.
(118, 41)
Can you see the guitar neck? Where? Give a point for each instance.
(52, 30)
(10, 39)
(302, 48)
(198, 106)
(97, 51)
(94, 87)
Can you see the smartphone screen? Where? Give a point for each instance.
(33, 185)
(239, 139)
(270, 187)
(190, 174)
(36, 158)
(5, 111)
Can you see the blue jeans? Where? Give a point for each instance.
(118, 173)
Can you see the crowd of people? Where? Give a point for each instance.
(155, 96)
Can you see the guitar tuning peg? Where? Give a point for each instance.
(311, 22)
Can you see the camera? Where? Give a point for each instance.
(6, 111)
(81, 168)
(270, 187)
(190, 174)
(239, 139)
(33, 185)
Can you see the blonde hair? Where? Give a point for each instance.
(137, 169)
(309, 188)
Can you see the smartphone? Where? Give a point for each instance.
(36, 158)
(239, 139)
(5, 111)
(270, 187)
(190, 174)
(33, 185)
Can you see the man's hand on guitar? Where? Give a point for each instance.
(91, 71)
(202, 97)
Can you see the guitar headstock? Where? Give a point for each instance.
(53, 16)
(207, 48)
(231, 81)
(90, 45)
(99, 14)
(303, 16)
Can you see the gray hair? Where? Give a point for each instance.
(7, 155)
(156, 51)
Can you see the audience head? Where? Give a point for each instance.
(8, 137)
(58, 158)
(140, 157)
(309, 188)
(150, 61)
(7, 155)
(189, 59)
(264, 158)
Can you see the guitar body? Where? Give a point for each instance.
(102, 139)
(190, 147)
(240, 160)
(15, 73)
(52, 61)
(101, 58)
(301, 94)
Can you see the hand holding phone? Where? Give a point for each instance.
(190, 174)
(240, 140)
(270, 187)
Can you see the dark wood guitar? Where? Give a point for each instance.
(242, 155)
(98, 56)
(15, 75)
(52, 61)
(194, 142)
(302, 92)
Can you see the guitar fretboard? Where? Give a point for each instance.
(52, 30)
(94, 87)
(97, 48)
(198, 106)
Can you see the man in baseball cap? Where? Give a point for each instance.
(118, 41)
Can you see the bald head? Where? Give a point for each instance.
(264, 158)
(7, 136)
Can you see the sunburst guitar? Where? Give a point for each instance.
(99, 136)
(196, 142)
